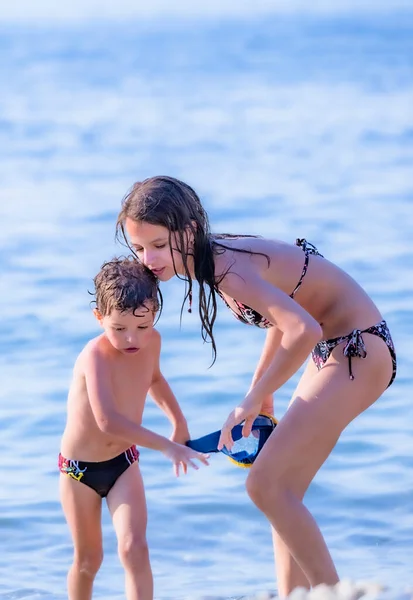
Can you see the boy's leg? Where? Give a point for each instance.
(127, 505)
(82, 507)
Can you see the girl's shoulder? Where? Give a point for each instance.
(249, 243)
(239, 249)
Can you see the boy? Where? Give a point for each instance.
(111, 378)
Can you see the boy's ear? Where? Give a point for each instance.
(98, 315)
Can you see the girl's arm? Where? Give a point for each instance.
(164, 397)
(299, 332)
(271, 345)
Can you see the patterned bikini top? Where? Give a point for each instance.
(248, 315)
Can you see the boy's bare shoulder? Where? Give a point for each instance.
(95, 349)
(154, 347)
(99, 350)
(156, 339)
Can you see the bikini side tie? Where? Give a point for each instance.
(354, 347)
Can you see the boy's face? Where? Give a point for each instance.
(126, 331)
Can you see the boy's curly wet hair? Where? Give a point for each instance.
(125, 284)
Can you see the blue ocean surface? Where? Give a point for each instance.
(287, 125)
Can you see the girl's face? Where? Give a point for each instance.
(152, 247)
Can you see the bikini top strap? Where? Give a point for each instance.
(303, 272)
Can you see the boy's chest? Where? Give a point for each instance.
(131, 381)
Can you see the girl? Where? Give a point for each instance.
(307, 305)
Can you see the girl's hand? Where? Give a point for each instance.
(247, 411)
(267, 406)
(182, 456)
(180, 434)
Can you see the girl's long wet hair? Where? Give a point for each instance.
(173, 204)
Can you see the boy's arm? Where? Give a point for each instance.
(164, 397)
(108, 419)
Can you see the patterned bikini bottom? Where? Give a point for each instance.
(354, 347)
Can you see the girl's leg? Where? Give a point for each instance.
(82, 507)
(289, 573)
(322, 408)
(127, 504)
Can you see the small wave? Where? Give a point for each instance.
(344, 590)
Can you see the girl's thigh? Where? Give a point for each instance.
(324, 403)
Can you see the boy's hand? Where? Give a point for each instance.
(182, 456)
(180, 434)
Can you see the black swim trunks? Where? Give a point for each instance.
(100, 476)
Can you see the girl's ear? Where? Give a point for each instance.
(189, 234)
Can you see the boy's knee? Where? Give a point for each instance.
(133, 550)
